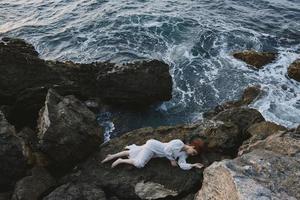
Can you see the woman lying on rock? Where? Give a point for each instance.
(175, 150)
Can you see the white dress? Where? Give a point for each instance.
(154, 148)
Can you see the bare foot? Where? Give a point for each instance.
(117, 162)
(107, 158)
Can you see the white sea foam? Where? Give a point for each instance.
(196, 38)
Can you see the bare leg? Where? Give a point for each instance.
(113, 156)
(120, 161)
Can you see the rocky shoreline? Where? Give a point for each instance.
(25, 80)
(51, 145)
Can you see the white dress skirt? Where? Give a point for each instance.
(141, 154)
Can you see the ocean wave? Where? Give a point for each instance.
(196, 38)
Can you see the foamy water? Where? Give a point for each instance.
(196, 38)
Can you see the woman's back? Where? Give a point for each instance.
(162, 149)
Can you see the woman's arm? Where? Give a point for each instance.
(187, 166)
(182, 162)
(174, 163)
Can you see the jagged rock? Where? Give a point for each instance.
(269, 171)
(242, 117)
(255, 59)
(12, 161)
(34, 186)
(264, 129)
(158, 179)
(25, 80)
(260, 131)
(294, 70)
(248, 96)
(260, 174)
(28, 137)
(68, 131)
(77, 191)
(285, 143)
(31, 150)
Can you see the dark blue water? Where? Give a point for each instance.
(195, 37)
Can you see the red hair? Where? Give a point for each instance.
(199, 145)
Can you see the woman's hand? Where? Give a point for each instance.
(198, 165)
(174, 163)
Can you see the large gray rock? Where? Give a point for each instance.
(270, 171)
(260, 174)
(25, 80)
(68, 130)
(259, 132)
(285, 143)
(34, 186)
(12, 161)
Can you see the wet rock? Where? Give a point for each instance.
(77, 191)
(34, 186)
(25, 80)
(68, 131)
(260, 131)
(248, 96)
(242, 117)
(12, 161)
(255, 59)
(294, 70)
(260, 174)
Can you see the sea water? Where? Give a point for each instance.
(195, 37)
